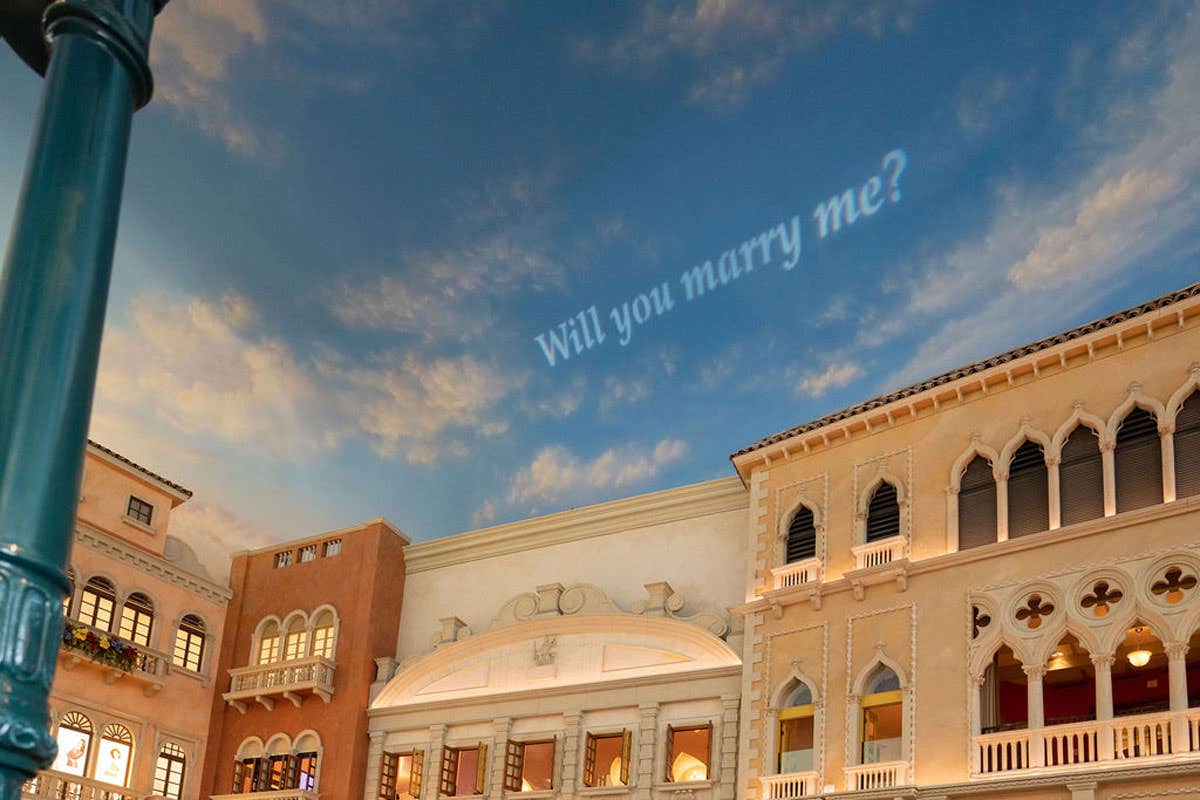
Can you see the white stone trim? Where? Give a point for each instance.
(150, 564)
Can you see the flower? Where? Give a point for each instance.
(79, 634)
(104, 642)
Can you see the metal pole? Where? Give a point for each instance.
(53, 289)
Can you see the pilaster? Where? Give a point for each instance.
(570, 755)
(647, 738)
(495, 788)
(726, 769)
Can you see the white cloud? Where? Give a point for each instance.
(618, 391)
(558, 405)
(835, 376)
(557, 473)
(214, 534)
(484, 515)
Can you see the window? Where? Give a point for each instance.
(296, 640)
(1028, 492)
(97, 603)
(250, 775)
(268, 643)
(606, 762)
(139, 510)
(883, 513)
(1081, 477)
(976, 505)
(882, 718)
(802, 536)
(400, 775)
(1187, 447)
(322, 635)
(113, 755)
(74, 737)
(463, 770)
(137, 616)
(529, 766)
(189, 644)
(688, 752)
(796, 719)
(283, 559)
(168, 771)
(333, 547)
(306, 776)
(1138, 462)
(308, 553)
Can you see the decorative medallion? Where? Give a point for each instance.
(1173, 586)
(1102, 599)
(1032, 612)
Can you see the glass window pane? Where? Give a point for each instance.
(796, 745)
(689, 755)
(882, 730)
(464, 776)
(607, 767)
(538, 767)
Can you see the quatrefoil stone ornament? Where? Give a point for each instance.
(1173, 585)
(1102, 599)
(1033, 611)
(979, 621)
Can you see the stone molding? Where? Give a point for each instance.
(150, 564)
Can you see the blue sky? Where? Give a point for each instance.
(344, 225)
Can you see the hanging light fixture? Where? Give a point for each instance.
(1139, 658)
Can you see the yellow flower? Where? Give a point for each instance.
(79, 635)
(104, 643)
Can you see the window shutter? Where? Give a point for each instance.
(418, 771)
(449, 767)
(708, 752)
(670, 750)
(239, 771)
(387, 776)
(1028, 492)
(514, 758)
(290, 780)
(262, 774)
(1138, 460)
(1081, 477)
(1187, 448)
(626, 754)
(883, 514)
(802, 536)
(976, 505)
(481, 768)
(589, 761)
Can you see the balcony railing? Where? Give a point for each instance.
(789, 786)
(146, 666)
(877, 554)
(876, 776)
(797, 573)
(1111, 742)
(275, 794)
(51, 785)
(291, 680)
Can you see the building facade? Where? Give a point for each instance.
(986, 584)
(131, 693)
(305, 624)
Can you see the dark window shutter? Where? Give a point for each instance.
(514, 758)
(1028, 492)
(418, 772)
(387, 776)
(1081, 478)
(802, 536)
(589, 762)
(883, 514)
(626, 754)
(449, 772)
(670, 750)
(1187, 448)
(1138, 460)
(238, 773)
(481, 768)
(976, 505)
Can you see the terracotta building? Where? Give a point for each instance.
(305, 624)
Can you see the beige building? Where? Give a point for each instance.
(582, 654)
(986, 584)
(132, 692)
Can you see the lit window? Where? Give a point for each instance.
(189, 644)
(112, 757)
(796, 732)
(400, 775)
(529, 766)
(882, 719)
(293, 645)
(283, 559)
(137, 615)
(607, 759)
(139, 510)
(74, 737)
(97, 603)
(463, 770)
(322, 635)
(333, 547)
(268, 648)
(306, 776)
(688, 752)
(168, 771)
(308, 553)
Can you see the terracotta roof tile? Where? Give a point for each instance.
(139, 468)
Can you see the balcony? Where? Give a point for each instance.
(291, 680)
(116, 658)
(886, 775)
(51, 785)
(790, 786)
(797, 573)
(1161, 736)
(878, 554)
(274, 794)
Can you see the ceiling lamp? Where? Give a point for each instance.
(1139, 658)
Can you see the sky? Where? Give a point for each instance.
(345, 226)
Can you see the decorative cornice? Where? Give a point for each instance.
(150, 564)
(642, 511)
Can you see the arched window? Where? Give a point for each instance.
(976, 505)
(189, 643)
(882, 718)
(137, 618)
(1187, 447)
(1138, 461)
(323, 635)
(883, 513)
(1003, 697)
(1028, 491)
(168, 771)
(114, 754)
(97, 603)
(66, 603)
(307, 752)
(268, 643)
(1081, 477)
(1069, 690)
(1140, 679)
(74, 737)
(796, 733)
(802, 536)
(295, 641)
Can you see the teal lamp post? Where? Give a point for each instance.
(53, 289)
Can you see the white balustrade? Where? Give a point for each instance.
(1141, 736)
(275, 794)
(148, 666)
(876, 776)
(877, 554)
(51, 785)
(791, 786)
(286, 678)
(797, 573)
(1001, 752)
(1076, 743)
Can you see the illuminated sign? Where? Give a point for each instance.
(72, 751)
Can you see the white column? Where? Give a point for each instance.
(975, 701)
(1052, 478)
(952, 519)
(1002, 506)
(1036, 712)
(432, 772)
(724, 771)
(374, 761)
(1102, 662)
(500, 727)
(1177, 680)
(1166, 440)
(1110, 477)
(647, 755)
(570, 755)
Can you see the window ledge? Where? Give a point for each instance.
(172, 667)
(604, 791)
(540, 793)
(141, 526)
(684, 786)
